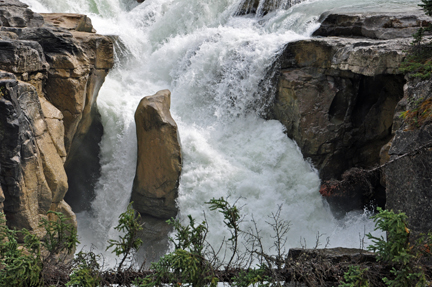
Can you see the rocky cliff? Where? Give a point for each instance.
(340, 95)
(52, 67)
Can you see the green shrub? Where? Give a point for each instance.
(129, 242)
(427, 6)
(187, 264)
(86, 271)
(252, 277)
(231, 220)
(354, 277)
(418, 61)
(61, 236)
(396, 251)
(23, 264)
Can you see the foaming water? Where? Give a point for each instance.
(213, 62)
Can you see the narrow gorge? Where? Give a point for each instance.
(274, 105)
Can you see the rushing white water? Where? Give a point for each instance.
(212, 61)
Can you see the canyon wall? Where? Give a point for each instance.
(52, 67)
(340, 96)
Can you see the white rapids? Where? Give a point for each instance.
(213, 62)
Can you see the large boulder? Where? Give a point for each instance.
(159, 162)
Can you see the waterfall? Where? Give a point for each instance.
(213, 61)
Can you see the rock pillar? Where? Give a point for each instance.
(159, 160)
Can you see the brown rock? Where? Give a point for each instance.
(54, 121)
(78, 63)
(26, 156)
(64, 64)
(159, 162)
(70, 21)
(337, 97)
(2, 198)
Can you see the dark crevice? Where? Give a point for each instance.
(83, 167)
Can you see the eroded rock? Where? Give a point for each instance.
(32, 174)
(60, 56)
(159, 161)
(14, 13)
(337, 97)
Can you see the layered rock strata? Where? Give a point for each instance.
(159, 162)
(53, 66)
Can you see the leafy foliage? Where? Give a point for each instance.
(60, 235)
(397, 238)
(193, 261)
(418, 62)
(20, 269)
(23, 264)
(86, 273)
(427, 6)
(129, 242)
(254, 277)
(354, 277)
(397, 250)
(419, 114)
(231, 219)
(186, 265)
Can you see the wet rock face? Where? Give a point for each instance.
(337, 102)
(159, 161)
(339, 99)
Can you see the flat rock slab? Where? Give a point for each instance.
(372, 25)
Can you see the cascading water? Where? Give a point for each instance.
(213, 62)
